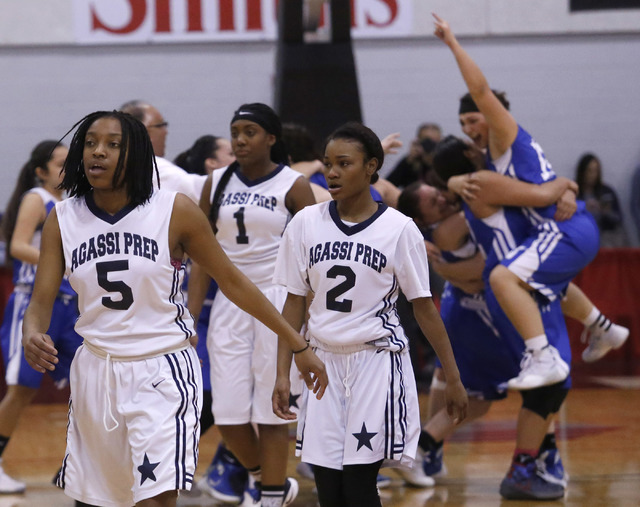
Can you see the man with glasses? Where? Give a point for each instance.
(172, 177)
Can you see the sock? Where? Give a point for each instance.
(596, 317)
(549, 442)
(427, 443)
(272, 496)
(537, 342)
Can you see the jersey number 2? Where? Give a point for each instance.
(103, 269)
(333, 294)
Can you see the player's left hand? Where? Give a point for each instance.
(457, 401)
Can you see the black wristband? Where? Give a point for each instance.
(302, 349)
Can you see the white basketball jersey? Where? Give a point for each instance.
(129, 287)
(354, 272)
(252, 218)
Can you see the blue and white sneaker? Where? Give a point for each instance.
(253, 495)
(291, 489)
(225, 480)
(432, 463)
(523, 482)
(550, 467)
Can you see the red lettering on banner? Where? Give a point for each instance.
(254, 15)
(194, 13)
(163, 16)
(393, 13)
(138, 13)
(227, 21)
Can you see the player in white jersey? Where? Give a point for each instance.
(354, 254)
(249, 205)
(32, 199)
(135, 383)
(554, 251)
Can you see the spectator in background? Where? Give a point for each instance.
(206, 154)
(172, 177)
(416, 165)
(601, 201)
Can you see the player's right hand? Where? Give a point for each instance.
(40, 352)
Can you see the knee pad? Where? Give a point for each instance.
(544, 400)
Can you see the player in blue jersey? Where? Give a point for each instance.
(33, 198)
(487, 348)
(548, 253)
(133, 421)
(355, 254)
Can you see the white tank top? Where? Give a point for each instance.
(129, 288)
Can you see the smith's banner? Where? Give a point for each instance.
(141, 21)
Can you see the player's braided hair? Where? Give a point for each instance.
(136, 160)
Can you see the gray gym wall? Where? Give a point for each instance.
(572, 79)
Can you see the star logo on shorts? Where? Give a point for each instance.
(146, 470)
(364, 438)
(293, 400)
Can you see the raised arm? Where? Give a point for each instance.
(39, 350)
(503, 128)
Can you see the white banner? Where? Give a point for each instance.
(142, 21)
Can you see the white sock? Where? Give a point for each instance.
(537, 342)
(592, 317)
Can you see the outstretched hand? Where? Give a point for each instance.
(40, 352)
(391, 144)
(313, 371)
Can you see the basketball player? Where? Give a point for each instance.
(487, 348)
(552, 253)
(35, 194)
(136, 389)
(249, 204)
(354, 254)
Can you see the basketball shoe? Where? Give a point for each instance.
(602, 336)
(523, 482)
(550, 467)
(540, 368)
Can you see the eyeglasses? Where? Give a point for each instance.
(162, 125)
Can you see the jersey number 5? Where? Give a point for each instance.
(103, 269)
(333, 294)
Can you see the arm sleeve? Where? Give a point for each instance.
(413, 269)
(290, 269)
